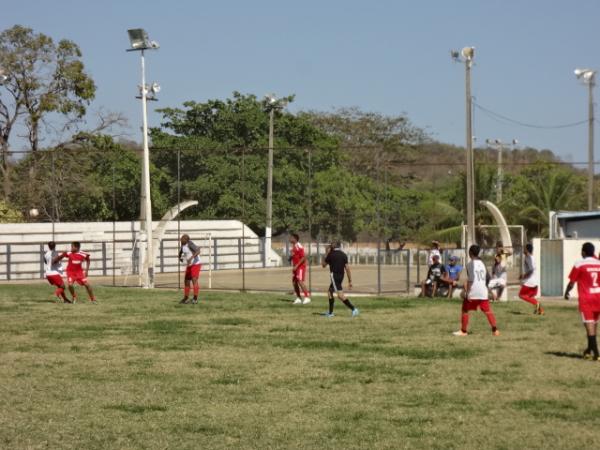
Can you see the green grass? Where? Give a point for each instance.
(252, 371)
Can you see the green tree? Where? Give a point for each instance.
(44, 78)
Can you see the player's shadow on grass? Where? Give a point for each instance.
(564, 355)
(517, 313)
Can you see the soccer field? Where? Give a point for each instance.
(252, 371)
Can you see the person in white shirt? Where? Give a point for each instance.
(54, 271)
(190, 255)
(530, 282)
(476, 293)
(498, 282)
(433, 251)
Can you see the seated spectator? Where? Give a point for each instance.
(497, 283)
(452, 275)
(434, 276)
(434, 250)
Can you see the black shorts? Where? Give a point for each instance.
(336, 282)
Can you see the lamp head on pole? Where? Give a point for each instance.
(587, 75)
(139, 40)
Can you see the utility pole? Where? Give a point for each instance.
(591, 145)
(268, 229)
(140, 42)
(272, 104)
(466, 56)
(589, 77)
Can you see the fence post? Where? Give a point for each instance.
(104, 259)
(42, 261)
(407, 271)
(239, 253)
(418, 265)
(379, 267)
(8, 260)
(215, 254)
(261, 247)
(162, 255)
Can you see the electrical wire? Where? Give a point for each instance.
(500, 117)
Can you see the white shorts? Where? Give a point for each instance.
(497, 283)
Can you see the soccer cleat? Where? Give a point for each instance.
(588, 355)
(194, 301)
(460, 333)
(495, 333)
(298, 301)
(66, 300)
(355, 312)
(94, 301)
(184, 301)
(328, 315)
(306, 301)
(539, 310)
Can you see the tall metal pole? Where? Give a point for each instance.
(591, 145)
(149, 260)
(470, 164)
(269, 188)
(500, 174)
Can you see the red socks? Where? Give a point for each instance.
(196, 290)
(464, 321)
(528, 299)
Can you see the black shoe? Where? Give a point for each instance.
(184, 301)
(66, 300)
(195, 301)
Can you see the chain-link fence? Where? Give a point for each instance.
(380, 208)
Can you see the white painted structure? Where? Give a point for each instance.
(116, 245)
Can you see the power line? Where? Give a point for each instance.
(500, 117)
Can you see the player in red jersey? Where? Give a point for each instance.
(75, 271)
(298, 258)
(586, 273)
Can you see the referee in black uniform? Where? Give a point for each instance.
(337, 261)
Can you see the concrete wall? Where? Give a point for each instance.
(571, 252)
(115, 245)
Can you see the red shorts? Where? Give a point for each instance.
(472, 305)
(590, 311)
(299, 274)
(78, 277)
(527, 291)
(55, 280)
(192, 271)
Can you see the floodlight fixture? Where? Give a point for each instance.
(588, 75)
(468, 53)
(455, 55)
(139, 40)
(155, 88)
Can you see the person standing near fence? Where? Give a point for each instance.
(189, 253)
(529, 281)
(54, 271)
(586, 273)
(298, 259)
(337, 261)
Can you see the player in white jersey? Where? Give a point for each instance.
(476, 293)
(530, 281)
(190, 255)
(54, 271)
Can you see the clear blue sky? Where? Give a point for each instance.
(386, 56)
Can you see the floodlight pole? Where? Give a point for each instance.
(470, 163)
(268, 229)
(591, 85)
(149, 260)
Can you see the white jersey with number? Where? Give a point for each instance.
(52, 268)
(532, 280)
(477, 274)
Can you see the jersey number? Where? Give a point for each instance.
(594, 279)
